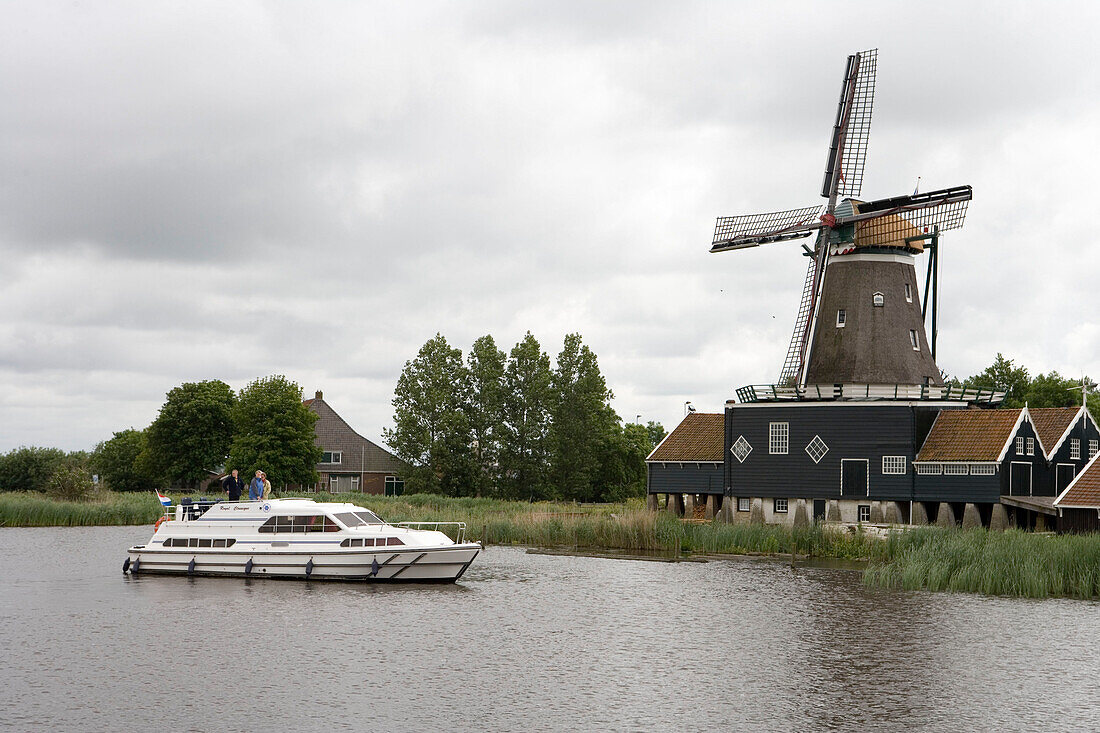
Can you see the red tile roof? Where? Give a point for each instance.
(969, 435)
(1051, 423)
(700, 437)
(1083, 491)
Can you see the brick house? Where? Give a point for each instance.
(349, 461)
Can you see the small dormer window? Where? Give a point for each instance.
(878, 300)
(840, 318)
(908, 293)
(913, 340)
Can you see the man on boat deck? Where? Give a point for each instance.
(233, 486)
(256, 487)
(267, 487)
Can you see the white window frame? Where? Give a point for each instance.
(956, 469)
(1094, 448)
(779, 438)
(744, 504)
(894, 465)
(863, 512)
(815, 455)
(983, 469)
(355, 483)
(1030, 478)
(336, 458)
(878, 300)
(914, 340)
(733, 448)
(1031, 446)
(908, 293)
(841, 318)
(1075, 449)
(776, 506)
(1019, 445)
(929, 469)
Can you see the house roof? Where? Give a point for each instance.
(970, 435)
(332, 433)
(1052, 423)
(698, 438)
(1083, 491)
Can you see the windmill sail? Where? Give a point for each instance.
(852, 130)
(796, 351)
(752, 230)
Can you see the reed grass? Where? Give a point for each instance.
(1012, 563)
(29, 509)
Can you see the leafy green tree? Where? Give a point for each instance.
(194, 430)
(1052, 390)
(118, 462)
(273, 432)
(526, 417)
(431, 419)
(655, 433)
(623, 471)
(70, 482)
(29, 468)
(1004, 375)
(583, 427)
(485, 363)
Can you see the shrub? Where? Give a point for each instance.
(69, 483)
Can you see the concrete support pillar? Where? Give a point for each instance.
(832, 511)
(998, 521)
(689, 505)
(971, 518)
(651, 502)
(1041, 523)
(712, 505)
(876, 512)
(920, 514)
(756, 515)
(729, 505)
(676, 504)
(945, 517)
(891, 513)
(801, 516)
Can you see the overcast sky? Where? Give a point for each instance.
(234, 189)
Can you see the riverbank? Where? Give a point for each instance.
(1011, 563)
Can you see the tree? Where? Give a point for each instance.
(485, 363)
(431, 422)
(29, 468)
(194, 430)
(623, 472)
(119, 462)
(526, 414)
(1052, 390)
(273, 432)
(655, 433)
(1002, 374)
(583, 428)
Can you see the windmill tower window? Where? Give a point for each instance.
(913, 340)
(840, 318)
(908, 293)
(878, 300)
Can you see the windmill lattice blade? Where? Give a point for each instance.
(858, 132)
(792, 365)
(903, 217)
(733, 232)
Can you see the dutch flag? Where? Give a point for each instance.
(164, 500)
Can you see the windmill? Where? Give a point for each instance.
(861, 266)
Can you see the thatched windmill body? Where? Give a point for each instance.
(861, 320)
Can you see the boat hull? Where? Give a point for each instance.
(425, 565)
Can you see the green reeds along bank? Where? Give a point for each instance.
(1011, 563)
(38, 510)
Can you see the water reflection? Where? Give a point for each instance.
(525, 642)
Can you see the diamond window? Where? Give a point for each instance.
(741, 449)
(817, 449)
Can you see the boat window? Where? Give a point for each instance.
(219, 543)
(193, 542)
(349, 519)
(299, 523)
(369, 517)
(204, 543)
(393, 541)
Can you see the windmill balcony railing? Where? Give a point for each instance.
(868, 392)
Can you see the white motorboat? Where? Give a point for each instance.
(300, 538)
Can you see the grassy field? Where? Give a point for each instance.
(1009, 563)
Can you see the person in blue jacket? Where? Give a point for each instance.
(256, 487)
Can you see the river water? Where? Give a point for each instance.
(524, 642)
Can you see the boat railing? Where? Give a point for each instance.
(459, 527)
